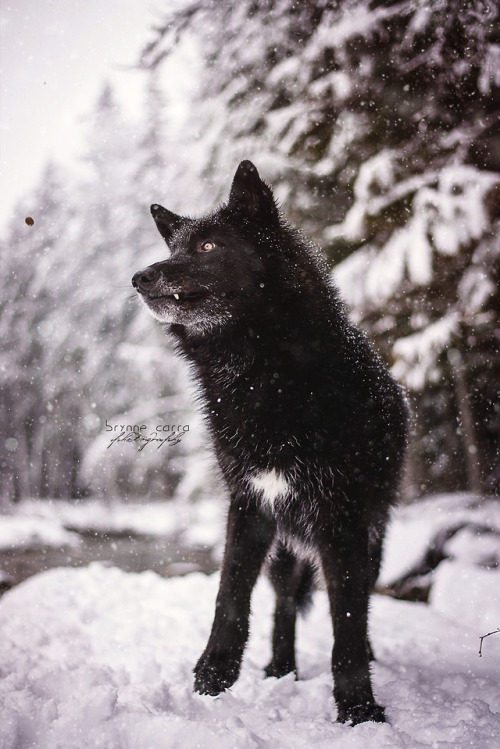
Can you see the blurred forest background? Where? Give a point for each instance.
(378, 124)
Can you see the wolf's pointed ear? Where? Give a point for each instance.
(166, 221)
(249, 193)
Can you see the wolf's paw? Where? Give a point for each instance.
(356, 714)
(215, 672)
(279, 669)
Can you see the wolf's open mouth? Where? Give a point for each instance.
(182, 297)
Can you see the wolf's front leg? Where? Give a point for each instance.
(249, 536)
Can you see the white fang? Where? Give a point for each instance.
(272, 485)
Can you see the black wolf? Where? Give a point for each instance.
(308, 427)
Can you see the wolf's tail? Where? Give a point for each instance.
(293, 577)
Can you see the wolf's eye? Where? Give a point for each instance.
(206, 247)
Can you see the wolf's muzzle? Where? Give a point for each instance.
(145, 280)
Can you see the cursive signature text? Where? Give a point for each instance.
(142, 440)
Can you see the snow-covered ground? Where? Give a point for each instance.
(100, 658)
(97, 658)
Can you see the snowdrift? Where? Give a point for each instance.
(99, 658)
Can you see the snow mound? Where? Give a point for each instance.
(17, 531)
(99, 658)
(413, 527)
(48, 522)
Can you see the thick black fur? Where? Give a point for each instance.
(308, 426)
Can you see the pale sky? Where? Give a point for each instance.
(54, 57)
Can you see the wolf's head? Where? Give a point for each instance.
(216, 269)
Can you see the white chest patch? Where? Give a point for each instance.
(271, 484)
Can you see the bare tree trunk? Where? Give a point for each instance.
(22, 466)
(469, 440)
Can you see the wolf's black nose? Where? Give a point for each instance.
(143, 280)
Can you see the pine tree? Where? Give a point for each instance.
(76, 352)
(127, 375)
(378, 122)
(34, 420)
